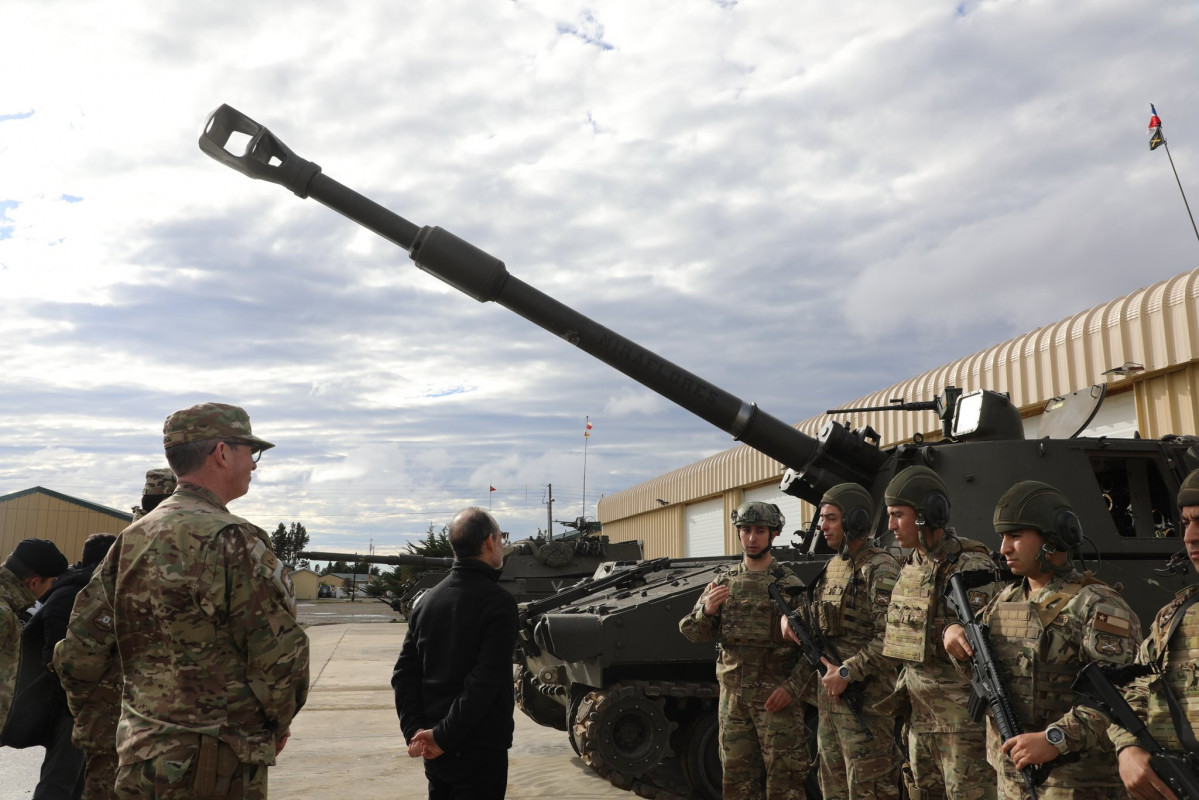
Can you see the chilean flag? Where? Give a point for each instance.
(1156, 138)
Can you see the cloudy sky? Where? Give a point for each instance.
(802, 202)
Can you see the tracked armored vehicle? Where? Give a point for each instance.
(604, 660)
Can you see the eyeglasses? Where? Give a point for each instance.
(255, 451)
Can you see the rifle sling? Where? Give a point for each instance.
(1182, 726)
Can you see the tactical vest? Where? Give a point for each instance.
(1181, 668)
(748, 618)
(1021, 634)
(842, 607)
(917, 614)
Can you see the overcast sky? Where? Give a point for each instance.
(802, 202)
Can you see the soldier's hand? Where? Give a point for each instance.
(779, 699)
(1140, 779)
(1030, 749)
(834, 684)
(717, 594)
(281, 742)
(956, 643)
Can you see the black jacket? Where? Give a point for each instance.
(49, 622)
(454, 673)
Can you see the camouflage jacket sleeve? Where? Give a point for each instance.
(1111, 634)
(85, 656)
(698, 626)
(1137, 694)
(870, 661)
(261, 610)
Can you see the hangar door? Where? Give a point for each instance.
(704, 535)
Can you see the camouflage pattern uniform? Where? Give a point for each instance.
(946, 749)
(215, 664)
(1178, 659)
(90, 672)
(1043, 641)
(14, 598)
(849, 605)
(752, 661)
(159, 483)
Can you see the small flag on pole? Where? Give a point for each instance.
(491, 489)
(1156, 137)
(587, 432)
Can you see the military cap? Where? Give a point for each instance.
(1188, 493)
(209, 422)
(160, 481)
(40, 556)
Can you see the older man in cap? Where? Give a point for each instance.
(27, 574)
(159, 485)
(215, 664)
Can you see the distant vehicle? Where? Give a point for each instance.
(324, 590)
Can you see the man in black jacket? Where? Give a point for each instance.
(453, 679)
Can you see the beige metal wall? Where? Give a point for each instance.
(1156, 329)
(42, 514)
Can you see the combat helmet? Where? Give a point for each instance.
(857, 510)
(756, 512)
(923, 490)
(1039, 506)
(1188, 493)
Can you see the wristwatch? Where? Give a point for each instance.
(1056, 736)
(843, 673)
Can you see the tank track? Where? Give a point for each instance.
(628, 733)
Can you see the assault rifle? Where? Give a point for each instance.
(1098, 685)
(986, 681)
(813, 646)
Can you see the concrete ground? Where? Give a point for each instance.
(346, 741)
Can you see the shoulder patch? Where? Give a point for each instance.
(1109, 644)
(101, 622)
(1107, 623)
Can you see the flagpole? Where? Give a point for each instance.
(1180, 191)
(1158, 137)
(586, 439)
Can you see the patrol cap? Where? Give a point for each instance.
(1188, 493)
(757, 512)
(160, 481)
(1039, 506)
(210, 422)
(39, 556)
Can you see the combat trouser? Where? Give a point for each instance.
(754, 742)
(950, 765)
(206, 769)
(100, 776)
(854, 766)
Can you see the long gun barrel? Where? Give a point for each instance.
(395, 561)
(1094, 683)
(986, 682)
(621, 577)
(814, 648)
(485, 278)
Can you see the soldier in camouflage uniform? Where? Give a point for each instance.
(159, 485)
(90, 673)
(946, 749)
(1172, 646)
(849, 603)
(89, 670)
(761, 718)
(1044, 628)
(27, 574)
(215, 664)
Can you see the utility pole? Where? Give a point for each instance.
(549, 511)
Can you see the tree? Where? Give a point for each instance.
(435, 544)
(288, 543)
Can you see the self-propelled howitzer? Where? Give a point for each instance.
(599, 681)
